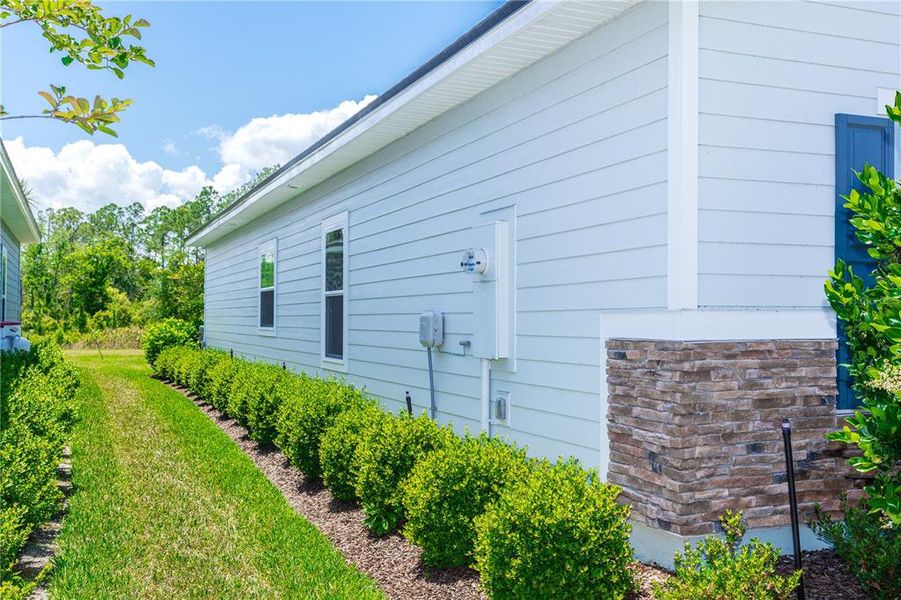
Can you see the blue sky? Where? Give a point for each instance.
(219, 66)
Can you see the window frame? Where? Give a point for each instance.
(333, 223)
(265, 248)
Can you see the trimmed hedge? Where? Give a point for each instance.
(387, 452)
(310, 407)
(533, 529)
(462, 478)
(37, 404)
(165, 334)
(558, 533)
(338, 448)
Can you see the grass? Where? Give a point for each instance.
(167, 506)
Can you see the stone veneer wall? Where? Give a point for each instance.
(695, 428)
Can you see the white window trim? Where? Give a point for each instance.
(270, 246)
(333, 223)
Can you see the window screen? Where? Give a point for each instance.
(267, 285)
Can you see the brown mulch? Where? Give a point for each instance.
(395, 564)
(826, 576)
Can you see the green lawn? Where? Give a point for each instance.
(167, 506)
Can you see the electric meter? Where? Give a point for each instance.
(474, 261)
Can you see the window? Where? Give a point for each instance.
(334, 282)
(267, 286)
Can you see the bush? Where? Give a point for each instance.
(723, 568)
(37, 404)
(186, 365)
(310, 407)
(387, 452)
(167, 361)
(462, 479)
(338, 446)
(261, 404)
(868, 542)
(166, 333)
(557, 534)
(220, 382)
(202, 378)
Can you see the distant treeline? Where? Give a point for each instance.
(118, 266)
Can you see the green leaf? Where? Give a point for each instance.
(67, 60)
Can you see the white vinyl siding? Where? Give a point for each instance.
(577, 143)
(772, 77)
(13, 284)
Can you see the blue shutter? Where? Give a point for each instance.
(858, 141)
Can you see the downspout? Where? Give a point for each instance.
(485, 395)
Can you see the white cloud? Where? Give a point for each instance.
(87, 175)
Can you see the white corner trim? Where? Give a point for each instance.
(682, 157)
(33, 233)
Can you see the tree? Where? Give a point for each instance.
(79, 30)
(872, 321)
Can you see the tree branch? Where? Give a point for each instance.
(12, 117)
(22, 20)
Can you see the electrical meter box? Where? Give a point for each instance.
(491, 290)
(431, 329)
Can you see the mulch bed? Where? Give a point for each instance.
(395, 564)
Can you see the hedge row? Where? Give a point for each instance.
(37, 410)
(531, 528)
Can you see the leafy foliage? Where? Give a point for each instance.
(385, 456)
(166, 333)
(558, 533)
(338, 447)
(449, 488)
(254, 401)
(871, 316)
(868, 543)
(38, 409)
(723, 568)
(220, 382)
(116, 267)
(310, 407)
(79, 30)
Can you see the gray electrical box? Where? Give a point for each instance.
(431, 329)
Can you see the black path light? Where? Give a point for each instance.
(793, 500)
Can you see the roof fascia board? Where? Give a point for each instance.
(514, 23)
(33, 232)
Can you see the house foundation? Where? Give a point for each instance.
(695, 429)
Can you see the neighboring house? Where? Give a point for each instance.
(17, 227)
(655, 186)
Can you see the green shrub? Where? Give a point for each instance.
(166, 362)
(166, 333)
(723, 568)
(202, 377)
(310, 407)
(220, 382)
(462, 479)
(868, 542)
(244, 384)
(38, 410)
(387, 452)
(338, 446)
(13, 534)
(559, 533)
(186, 365)
(261, 403)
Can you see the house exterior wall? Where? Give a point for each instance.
(572, 153)
(772, 76)
(13, 274)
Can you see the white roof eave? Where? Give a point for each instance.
(428, 97)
